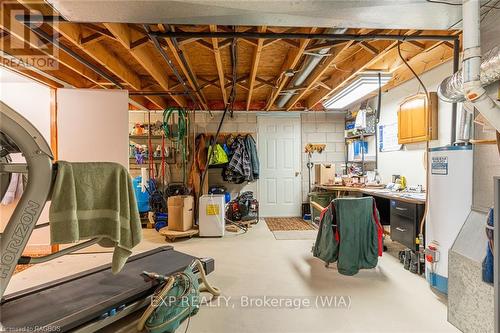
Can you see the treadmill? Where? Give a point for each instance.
(84, 302)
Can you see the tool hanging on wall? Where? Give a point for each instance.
(177, 137)
(309, 149)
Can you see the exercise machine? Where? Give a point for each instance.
(84, 302)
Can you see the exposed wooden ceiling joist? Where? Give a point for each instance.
(96, 51)
(127, 58)
(358, 63)
(144, 56)
(218, 64)
(255, 66)
(186, 68)
(291, 61)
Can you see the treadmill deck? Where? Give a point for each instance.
(76, 300)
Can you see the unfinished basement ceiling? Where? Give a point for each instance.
(281, 72)
(373, 14)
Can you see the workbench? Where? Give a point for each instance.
(403, 211)
(415, 198)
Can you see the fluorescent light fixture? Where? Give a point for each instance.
(360, 87)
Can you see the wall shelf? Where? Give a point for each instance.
(143, 137)
(365, 164)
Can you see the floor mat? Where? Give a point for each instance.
(287, 223)
(295, 235)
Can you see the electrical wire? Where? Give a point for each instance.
(460, 4)
(411, 69)
(445, 2)
(229, 107)
(426, 157)
(483, 14)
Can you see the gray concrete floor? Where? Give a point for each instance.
(385, 299)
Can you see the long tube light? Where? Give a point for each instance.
(360, 87)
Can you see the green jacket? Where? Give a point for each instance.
(350, 235)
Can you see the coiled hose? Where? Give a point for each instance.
(179, 136)
(204, 286)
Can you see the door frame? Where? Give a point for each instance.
(279, 114)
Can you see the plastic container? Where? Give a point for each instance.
(141, 197)
(323, 199)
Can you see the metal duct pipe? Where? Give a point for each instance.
(310, 64)
(464, 131)
(473, 89)
(452, 88)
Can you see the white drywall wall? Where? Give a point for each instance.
(409, 161)
(92, 125)
(31, 100)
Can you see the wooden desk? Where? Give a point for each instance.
(399, 196)
(402, 211)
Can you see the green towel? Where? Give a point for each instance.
(92, 200)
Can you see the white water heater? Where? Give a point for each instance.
(450, 201)
(211, 213)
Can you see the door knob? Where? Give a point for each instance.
(297, 173)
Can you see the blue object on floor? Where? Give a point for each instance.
(227, 196)
(161, 220)
(307, 217)
(141, 197)
(488, 260)
(438, 282)
(160, 224)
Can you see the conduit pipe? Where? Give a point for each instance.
(473, 89)
(310, 64)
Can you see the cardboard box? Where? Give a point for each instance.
(324, 174)
(180, 212)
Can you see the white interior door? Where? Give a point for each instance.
(279, 154)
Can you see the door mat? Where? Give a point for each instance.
(295, 235)
(287, 224)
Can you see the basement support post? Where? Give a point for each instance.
(456, 59)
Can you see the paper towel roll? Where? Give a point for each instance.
(145, 178)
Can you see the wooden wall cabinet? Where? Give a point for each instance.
(418, 119)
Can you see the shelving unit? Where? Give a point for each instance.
(143, 139)
(366, 165)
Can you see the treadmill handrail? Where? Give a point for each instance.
(39, 158)
(27, 260)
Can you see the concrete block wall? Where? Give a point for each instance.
(322, 128)
(241, 122)
(317, 127)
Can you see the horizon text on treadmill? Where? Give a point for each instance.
(15, 244)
